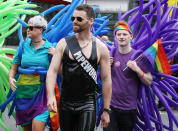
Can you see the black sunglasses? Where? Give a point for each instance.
(79, 19)
(31, 27)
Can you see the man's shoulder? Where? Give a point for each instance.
(133, 51)
(70, 37)
(102, 49)
(61, 44)
(100, 44)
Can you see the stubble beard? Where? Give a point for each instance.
(77, 30)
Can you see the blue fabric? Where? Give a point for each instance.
(41, 117)
(26, 103)
(32, 57)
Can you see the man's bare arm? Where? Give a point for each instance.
(105, 75)
(105, 71)
(145, 78)
(52, 74)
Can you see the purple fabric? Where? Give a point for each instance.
(125, 83)
(26, 103)
(26, 115)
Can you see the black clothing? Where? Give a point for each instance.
(77, 119)
(77, 108)
(124, 120)
(76, 84)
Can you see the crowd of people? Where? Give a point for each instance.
(76, 58)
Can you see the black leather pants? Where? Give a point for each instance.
(80, 116)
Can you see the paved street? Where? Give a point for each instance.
(12, 126)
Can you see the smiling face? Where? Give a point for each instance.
(123, 38)
(81, 22)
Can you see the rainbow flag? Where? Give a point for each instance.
(157, 57)
(55, 116)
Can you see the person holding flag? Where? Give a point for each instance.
(126, 76)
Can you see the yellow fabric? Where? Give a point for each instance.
(174, 3)
(52, 114)
(158, 65)
(155, 45)
(28, 79)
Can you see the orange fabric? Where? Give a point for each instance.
(163, 59)
(55, 116)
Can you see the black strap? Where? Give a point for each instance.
(81, 60)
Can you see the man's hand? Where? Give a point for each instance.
(52, 106)
(12, 82)
(133, 65)
(105, 119)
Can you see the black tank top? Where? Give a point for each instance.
(76, 84)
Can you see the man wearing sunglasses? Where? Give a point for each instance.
(79, 55)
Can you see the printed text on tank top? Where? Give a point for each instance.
(86, 65)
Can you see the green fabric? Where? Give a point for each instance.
(27, 91)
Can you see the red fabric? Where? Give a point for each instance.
(55, 122)
(55, 119)
(57, 93)
(10, 55)
(163, 59)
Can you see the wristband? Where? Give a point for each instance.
(142, 75)
(107, 110)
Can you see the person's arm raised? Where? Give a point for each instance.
(52, 75)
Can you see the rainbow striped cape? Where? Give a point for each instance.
(31, 98)
(157, 57)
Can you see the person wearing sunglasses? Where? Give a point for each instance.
(79, 56)
(31, 103)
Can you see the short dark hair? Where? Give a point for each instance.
(88, 9)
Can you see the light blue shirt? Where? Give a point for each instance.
(32, 57)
